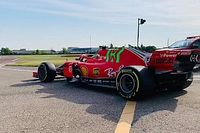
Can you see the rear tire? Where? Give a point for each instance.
(46, 72)
(128, 84)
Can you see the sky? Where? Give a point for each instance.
(54, 24)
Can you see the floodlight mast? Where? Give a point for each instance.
(140, 22)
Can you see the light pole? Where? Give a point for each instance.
(140, 22)
(90, 43)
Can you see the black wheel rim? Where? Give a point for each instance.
(127, 83)
(42, 72)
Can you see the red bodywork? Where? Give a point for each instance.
(131, 71)
(106, 64)
(170, 64)
(164, 59)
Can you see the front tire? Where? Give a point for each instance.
(46, 72)
(128, 84)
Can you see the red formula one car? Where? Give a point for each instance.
(130, 70)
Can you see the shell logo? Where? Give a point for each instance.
(84, 70)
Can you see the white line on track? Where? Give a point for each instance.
(1, 65)
(13, 69)
(14, 60)
(127, 116)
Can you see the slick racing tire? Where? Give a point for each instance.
(46, 72)
(128, 84)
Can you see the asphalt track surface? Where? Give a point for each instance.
(29, 106)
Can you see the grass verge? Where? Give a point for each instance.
(35, 60)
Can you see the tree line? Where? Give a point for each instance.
(149, 49)
(7, 51)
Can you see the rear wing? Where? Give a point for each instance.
(144, 55)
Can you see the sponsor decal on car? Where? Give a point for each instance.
(112, 73)
(114, 55)
(84, 70)
(195, 58)
(96, 71)
(164, 61)
(168, 55)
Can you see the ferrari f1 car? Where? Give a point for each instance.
(131, 71)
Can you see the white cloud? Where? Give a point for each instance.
(177, 13)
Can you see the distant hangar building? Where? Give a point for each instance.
(77, 50)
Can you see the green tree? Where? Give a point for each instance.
(37, 51)
(149, 49)
(6, 51)
(64, 50)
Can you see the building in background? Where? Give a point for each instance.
(30, 52)
(76, 50)
(70, 50)
(23, 52)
